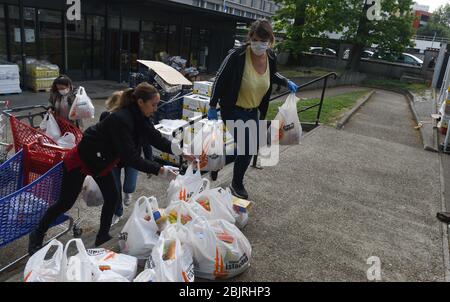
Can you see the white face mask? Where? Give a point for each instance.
(259, 48)
(64, 92)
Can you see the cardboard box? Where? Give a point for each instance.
(167, 87)
(197, 103)
(170, 158)
(189, 115)
(203, 88)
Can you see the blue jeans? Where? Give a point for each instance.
(241, 162)
(129, 184)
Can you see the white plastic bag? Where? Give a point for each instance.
(50, 126)
(40, 270)
(139, 235)
(289, 131)
(183, 187)
(212, 152)
(172, 259)
(147, 275)
(182, 208)
(66, 141)
(221, 251)
(121, 264)
(82, 107)
(78, 268)
(91, 193)
(214, 204)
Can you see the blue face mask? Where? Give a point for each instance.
(64, 92)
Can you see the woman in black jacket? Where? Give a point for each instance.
(119, 137)
(243, 87)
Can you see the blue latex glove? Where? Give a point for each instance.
(212, 114)
(292, 87)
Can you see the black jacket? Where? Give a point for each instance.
(121, 135)
(226, 87)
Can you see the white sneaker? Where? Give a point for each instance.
(115, 220)
(126, 199)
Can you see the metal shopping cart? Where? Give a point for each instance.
(5, 146)
(30, 182)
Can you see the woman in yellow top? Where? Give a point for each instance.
(242, 88)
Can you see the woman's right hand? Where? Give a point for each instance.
(168, 172)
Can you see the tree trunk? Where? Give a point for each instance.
(360, 41)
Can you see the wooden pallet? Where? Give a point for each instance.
(41, 90)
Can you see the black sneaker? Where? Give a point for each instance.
(35, 241)
(239, 191)
(102, 239)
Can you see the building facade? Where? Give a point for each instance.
(113, 34)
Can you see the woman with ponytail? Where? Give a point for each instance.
(117, 138)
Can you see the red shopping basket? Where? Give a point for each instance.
(39, 158)
(25, 134)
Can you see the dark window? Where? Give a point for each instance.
(173, 40)
(50, 36)
(76, 48)
(160, 37)
(148, 40)
(3, 52)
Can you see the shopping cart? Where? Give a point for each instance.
(27, 189)
(25, 133)
(5, 146)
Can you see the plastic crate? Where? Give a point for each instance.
(172, 110)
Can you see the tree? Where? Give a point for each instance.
(313, 18)
(438, 25)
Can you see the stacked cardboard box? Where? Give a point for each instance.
(41, 74)
(203, 88)
(9, 78)
(195, 106)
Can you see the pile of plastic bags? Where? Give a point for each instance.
(51, 128)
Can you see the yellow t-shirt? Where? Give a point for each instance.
(254, 86)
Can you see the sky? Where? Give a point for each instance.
(432, 3)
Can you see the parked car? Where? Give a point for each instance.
(404, 58)
(323, 51)
(367, 54)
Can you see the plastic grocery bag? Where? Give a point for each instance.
(147, 275)
(91, 193)
(289, 131)
(172, 259)
(182, 208)
(121, 264)
(40, 270)
(210, 140)
(183, 187)
(82, 107)
(78, 268)
(214, 204)
(139, 235)
(50, 126)
(67, 140)
(221, 251)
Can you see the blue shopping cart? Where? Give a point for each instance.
(23, 206)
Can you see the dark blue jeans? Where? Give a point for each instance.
(129, 184)
(241, 162)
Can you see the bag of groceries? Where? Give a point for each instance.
(221, 251)
(183, 187)
(172, 259)
(182, 208)
(124, 265)
(214, 204)
(139, 235)
(82, 107)
(208, 145)
(91, 193)
(38, 269)
(289, 130)
(67, 141)
(50, 126)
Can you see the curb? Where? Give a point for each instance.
(350, 113)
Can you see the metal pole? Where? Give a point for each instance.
(22, 42)
(321, 101)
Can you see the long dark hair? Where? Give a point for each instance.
(61, 80)
(143, 91)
